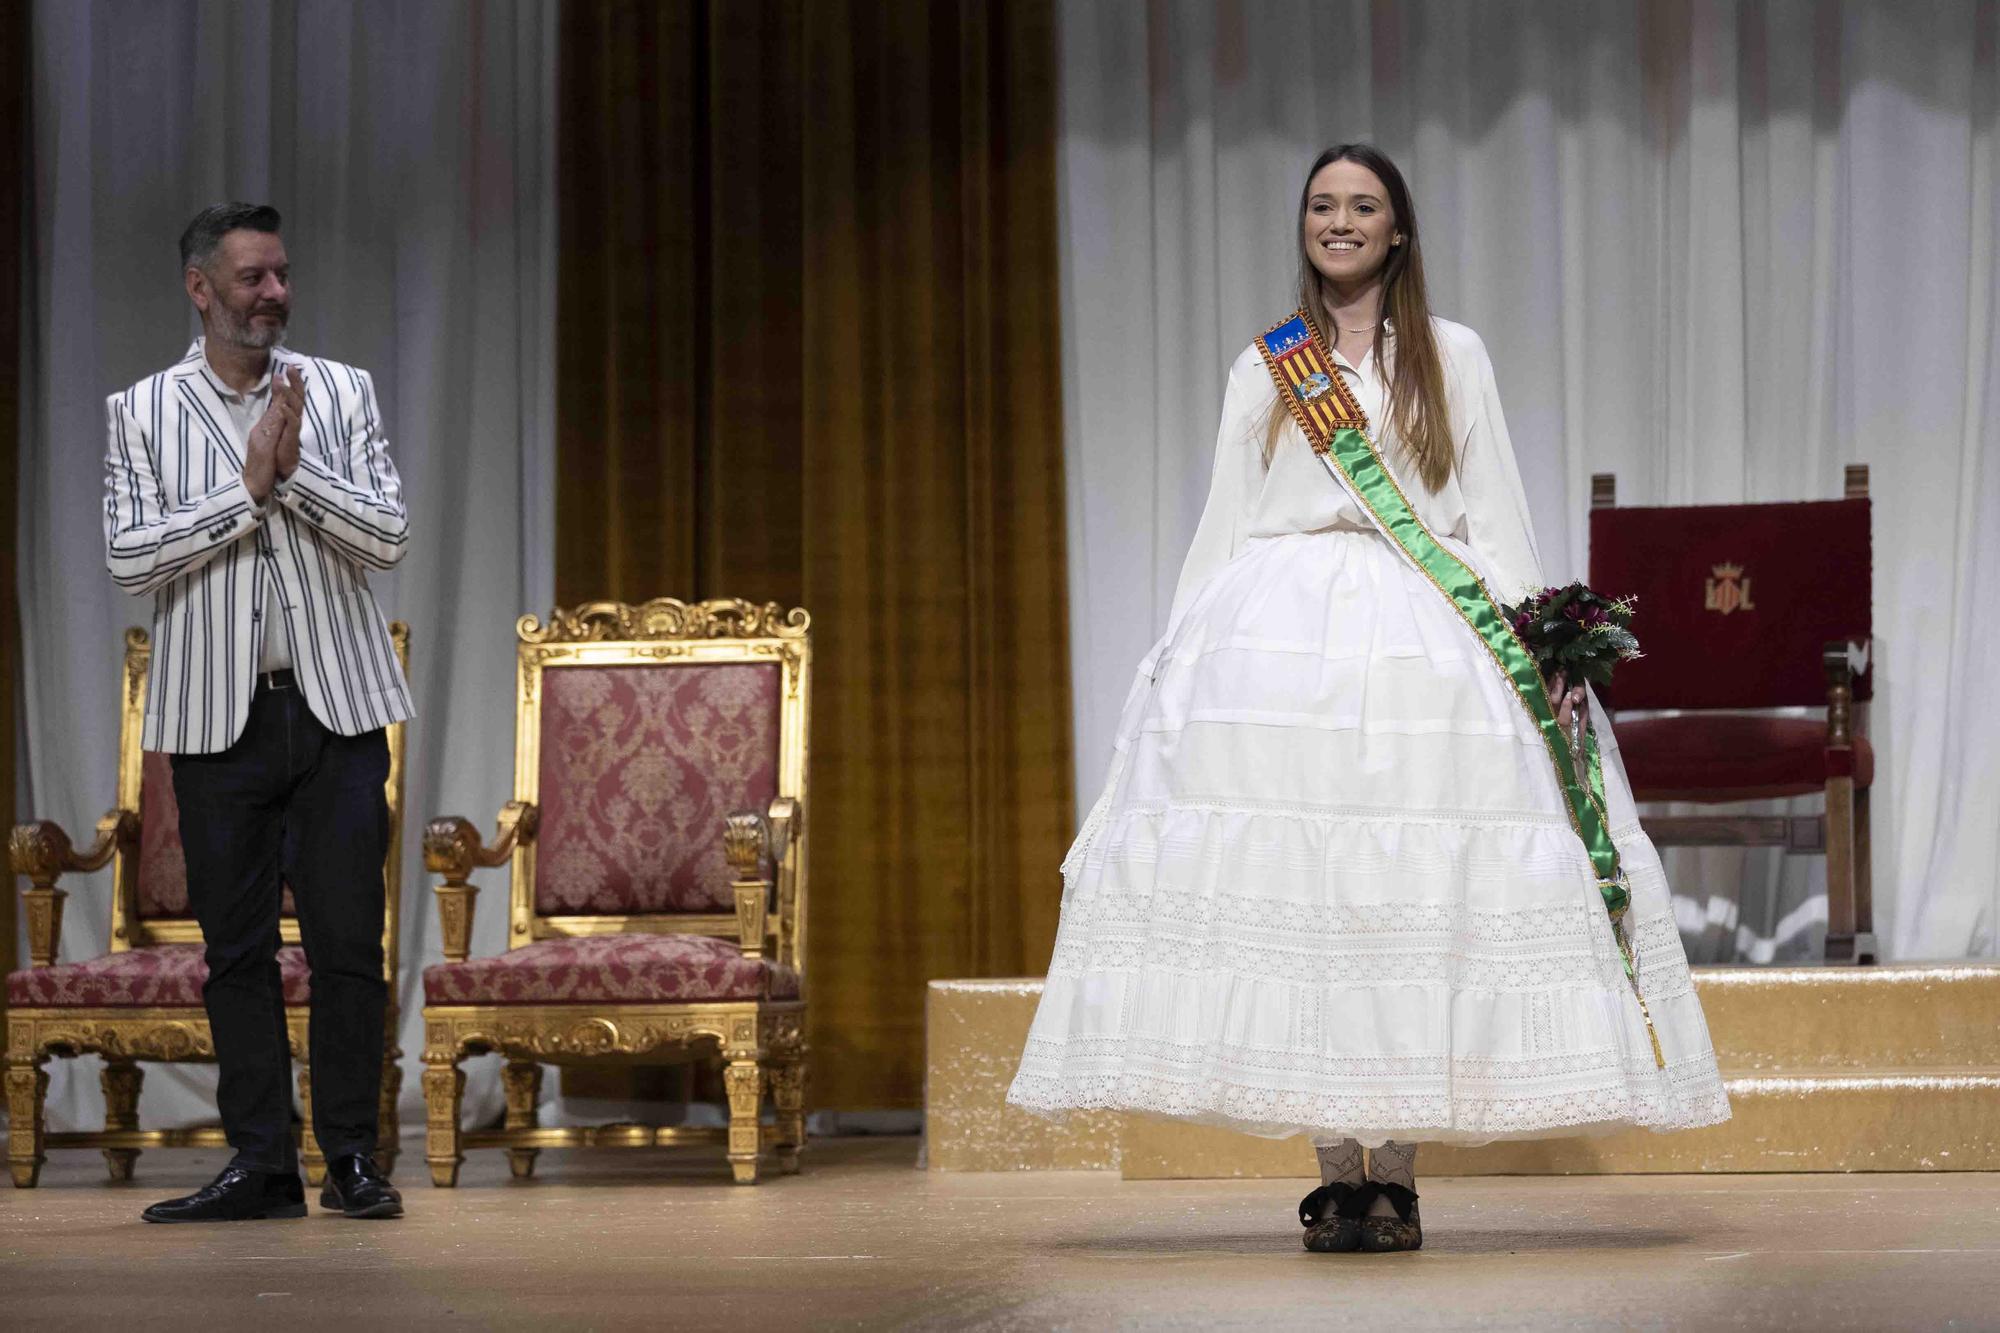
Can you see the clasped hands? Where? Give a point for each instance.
(274, 441)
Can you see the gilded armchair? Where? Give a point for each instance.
(658, 883)
(141, 1001)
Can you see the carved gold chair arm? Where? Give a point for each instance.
(453, 849)
(786, 818)
(745, 838)
(43, 852)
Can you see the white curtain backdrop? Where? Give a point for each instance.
(1721, 249)
(410, 148)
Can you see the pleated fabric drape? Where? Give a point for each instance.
(14, 134)
(808, 352)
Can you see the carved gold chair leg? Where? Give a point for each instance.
(389, 1120)
(444, 1090)
(523, 1082)
(788, 1092)
(311, 1160)
(121, 1081)
(743, 1076)
(27, 1093)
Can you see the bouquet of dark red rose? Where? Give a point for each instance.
(1575, 631)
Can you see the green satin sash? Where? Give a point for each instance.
(1326, 410)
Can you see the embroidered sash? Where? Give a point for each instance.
(1334, 424)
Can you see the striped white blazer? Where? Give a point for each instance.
(180, 524)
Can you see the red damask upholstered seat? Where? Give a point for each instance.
(157, 976)
(1752, 757)
(619, 969)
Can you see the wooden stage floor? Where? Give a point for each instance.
(865, 1240)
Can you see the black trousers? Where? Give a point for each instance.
(290, 802)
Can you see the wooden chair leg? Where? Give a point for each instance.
(523, 1081)
(444, 1089)
(27, 1094)
(1840, 884)
(121, 1081)
(788, 1092)
(743, 1076)
(311, 1159)
(389, 1120)
(1864, 880)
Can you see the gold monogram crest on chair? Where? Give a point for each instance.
(656, 847)
(142, 999)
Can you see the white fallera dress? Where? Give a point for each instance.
(1331, 886)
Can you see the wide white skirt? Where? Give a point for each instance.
(1331, 887)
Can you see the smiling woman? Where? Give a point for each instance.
(1361, 261)
(1340, 882)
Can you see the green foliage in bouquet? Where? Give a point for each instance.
(1574, 630)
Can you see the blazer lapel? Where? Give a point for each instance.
(210, 416)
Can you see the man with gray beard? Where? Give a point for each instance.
(249, 489)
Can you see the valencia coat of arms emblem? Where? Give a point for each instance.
(1728, 590)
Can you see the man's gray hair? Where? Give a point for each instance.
(205, 233)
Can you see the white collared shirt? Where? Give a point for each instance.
(245, 411)
(1481, 510)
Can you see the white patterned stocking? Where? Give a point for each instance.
(1339, 1163)
(1392, 1164)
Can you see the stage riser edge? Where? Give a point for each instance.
(1829, 1069)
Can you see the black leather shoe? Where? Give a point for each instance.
(357, 1187)
(236, 1195)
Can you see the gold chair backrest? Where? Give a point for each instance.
(648, 656)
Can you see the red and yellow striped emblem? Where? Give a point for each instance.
(1314, 392)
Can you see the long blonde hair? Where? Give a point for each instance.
(1417, 403)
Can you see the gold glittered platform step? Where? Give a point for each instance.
(1799, 1020)
(1813, 1122)
(973, 1034)
(1891, 1068)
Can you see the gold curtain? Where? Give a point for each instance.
(809, 353)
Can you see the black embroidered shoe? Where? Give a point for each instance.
(1331, 1216)
(1404, 1231)
(357, 1187)
(236, 1195)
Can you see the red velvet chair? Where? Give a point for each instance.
(657, 912)
(142, 1000)
(1742, 607)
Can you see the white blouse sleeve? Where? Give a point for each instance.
(1233, 486)
(1498, 526)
